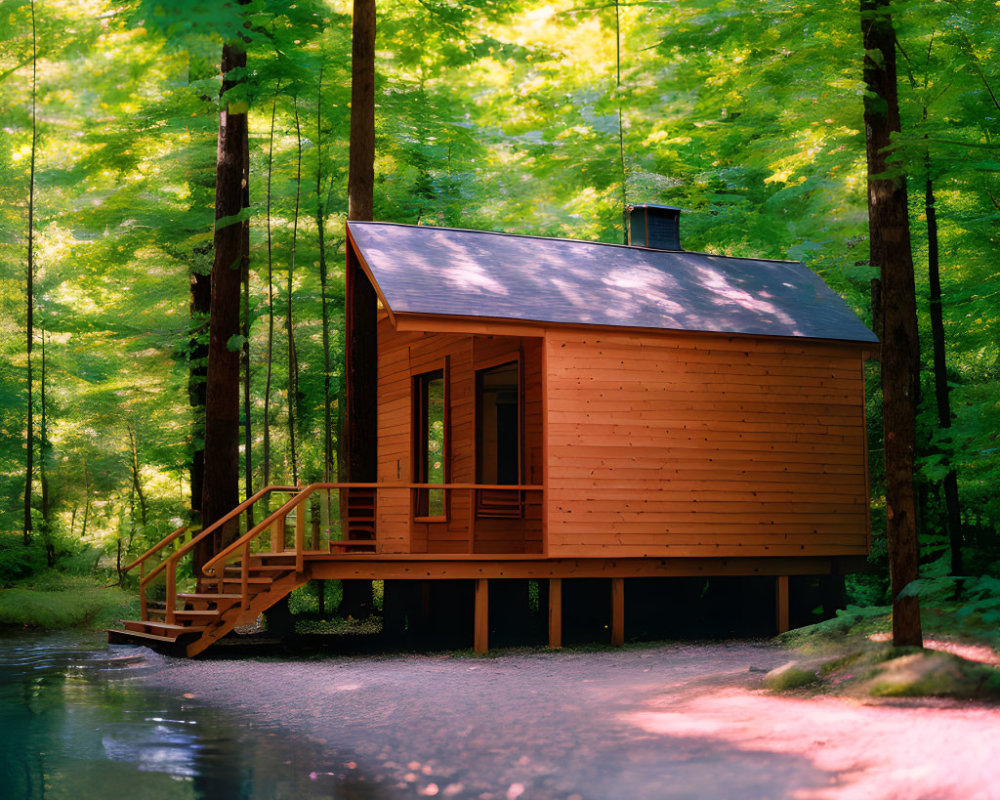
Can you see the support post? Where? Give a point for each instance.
(555, 613)
(278, 536)
(482, 616)
(781, 604)
(617, 612)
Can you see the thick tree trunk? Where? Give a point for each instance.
(941, 390)
(361, 162)
(890, 252)
(199, 309)
(358, 438)
(221, 482)
(29, 461)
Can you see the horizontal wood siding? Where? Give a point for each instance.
(405, 354)
(704, 446)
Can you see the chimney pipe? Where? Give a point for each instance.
(655, 227)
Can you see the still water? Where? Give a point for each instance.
(78, 723)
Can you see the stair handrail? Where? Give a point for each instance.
(141, 563)
(141, 560)
(210, 568)
(170, 563)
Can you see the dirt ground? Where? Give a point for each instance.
(668, 721)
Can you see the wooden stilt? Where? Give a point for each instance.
(781, 604)
(482, 626)
(555, 613)
(617, 612)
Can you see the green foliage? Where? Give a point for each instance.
(54, 602)
(523, 116)
(18, 561)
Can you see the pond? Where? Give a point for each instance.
(77, 722)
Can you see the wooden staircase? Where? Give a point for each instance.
(250, 575)
(205, 616)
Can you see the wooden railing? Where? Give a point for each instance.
(170, 563)
(269, 536)
(274, 526)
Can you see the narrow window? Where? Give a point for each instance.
(498, 439)
(429, 458)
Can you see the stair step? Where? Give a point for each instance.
(139, 625)
(234, 572)
(197, 613)
(207, 597)
(116, 636)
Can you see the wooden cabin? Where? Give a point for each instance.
(526, 407)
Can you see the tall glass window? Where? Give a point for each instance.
(431, 450)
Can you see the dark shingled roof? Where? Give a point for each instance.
(449, 272)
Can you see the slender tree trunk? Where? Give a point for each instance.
(361, 161)
(891, 253)
(86, 501)
(44, 449)
(320, 226)
(136, 481)
(293, 362)
(245, 350)
(29, 465)
(941, 390)
(221, 483)
(270, 308)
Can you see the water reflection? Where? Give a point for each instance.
(75, 723)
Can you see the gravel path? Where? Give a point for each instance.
(672, 721)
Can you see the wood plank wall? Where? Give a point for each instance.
(403, 355)
(668, 445)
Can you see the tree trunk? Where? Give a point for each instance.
(293, 361)
(86, 501)
(320, 226)
(361, 161)
(199, 308)
(136, 483)
(890, 252)
(359, 456)
(245, 349)
(270, 308)
(221, 482)
(44, 450)
(941, 389)
(29, 462)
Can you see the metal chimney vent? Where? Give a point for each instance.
(656, 227)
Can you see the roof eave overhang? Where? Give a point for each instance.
(502, 326)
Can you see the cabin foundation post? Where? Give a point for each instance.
(617, 612)
(481, 638)
(555, 613)
(781, 603)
